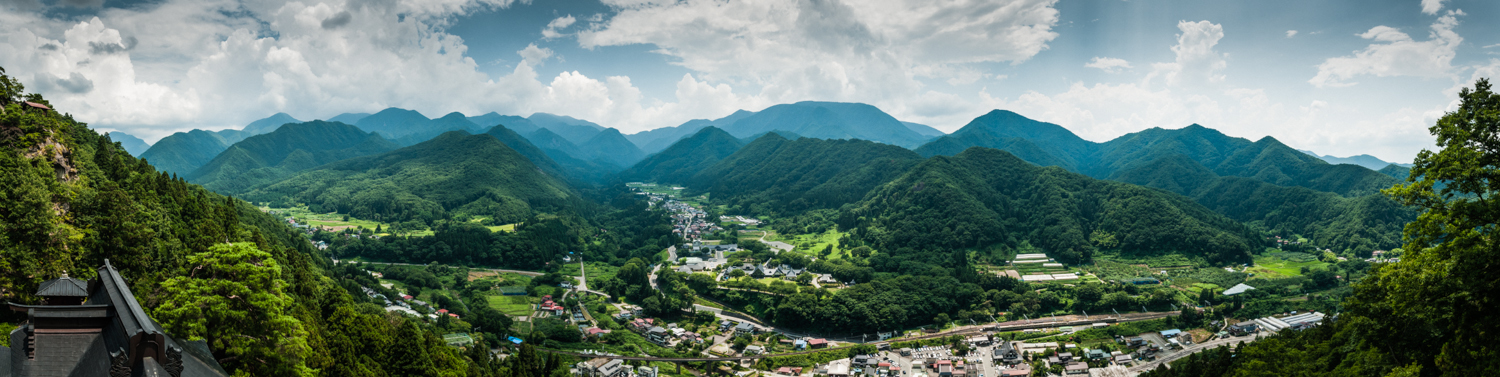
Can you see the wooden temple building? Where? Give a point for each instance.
(96, 328)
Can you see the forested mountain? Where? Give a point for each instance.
(554, 144)
(1396, 171)
(1367, 161)
(457, 172)
(292, 148)
(828, 120)
(612, 147)
(349, 118)
(268, 124)
(685, 158)
(76, 199)
(1427, 314)
(1218, 171)
(454, 121)
(922, 129)
(652, 141)
(393, 123)
(183, 152)
(1041, 143)
(984, 198)
(130, 143)
(773, 174)
(520, 125)
(575, 130)
(579, 173)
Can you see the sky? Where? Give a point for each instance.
(1334, 77)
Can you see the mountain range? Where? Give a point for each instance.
(133, 145)
(183, 152)
(454, 172)
(291, 148)
(1367, 161)
(822, 120)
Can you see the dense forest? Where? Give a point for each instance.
(73, 198)
(624, 230)
(680, 161)
(294, 147)
(775, 175)
(1428, 314)
(984, 198)
(456, 172)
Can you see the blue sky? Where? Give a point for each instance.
(1335, 77)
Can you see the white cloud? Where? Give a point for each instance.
(793, 50)
(535, 56)
(1397, 55)
(216, 64)
(1432, 6)
(1197, 62)
(551, 31)
(1111, 65)
(1291, 33)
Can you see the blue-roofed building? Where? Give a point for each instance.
(1171, 333)
(800, 344)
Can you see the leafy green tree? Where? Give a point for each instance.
(1445, 281)
(235, 289)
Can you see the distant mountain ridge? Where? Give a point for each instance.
(1047, 144)
(454, 172)
(133, 145)
(292, 148)
(183, 152)
(1368, 161)
(679, 162)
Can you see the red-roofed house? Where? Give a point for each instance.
(442, 311)
(817, 343)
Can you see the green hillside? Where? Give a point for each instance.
(182, 249)
(609, 146)
(269, 124)
(776, 174)
(183, 152)
(828, 120)
(292, 148)
(474, 174)
(985, 198)
(685, 158)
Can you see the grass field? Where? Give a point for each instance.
(811, 244)
(331, 220)
(1271, 266)
(514, 306)
(597, 271)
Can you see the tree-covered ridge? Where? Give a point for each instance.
(609, 146)
(1428, 314)
(72, 199)
(292, 148)
(1048, 144)
(519, 143)
(773, 174)
(985, 198)
(828, 120)
(133, 145)
(475, 174)
(685, 158)
(183, 152)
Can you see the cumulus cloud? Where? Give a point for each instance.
(1197, 62)
(551, 31)
(535, 56)
(827, 49)
(1111, 65)
(215, 64)
(1432, 6)
(1396, 54)
(1291, 33)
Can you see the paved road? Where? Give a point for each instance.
(1194, 349)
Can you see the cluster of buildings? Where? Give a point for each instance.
(1044, 261)
(783, 271)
